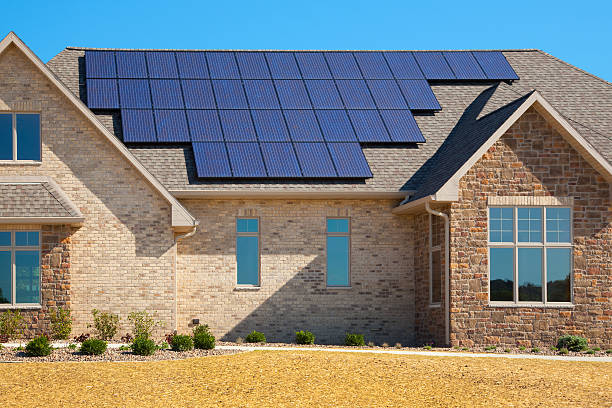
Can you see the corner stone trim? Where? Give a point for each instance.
(559, 201)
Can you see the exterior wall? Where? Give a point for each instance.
(122, 258)
(293, 294)
(532, 159)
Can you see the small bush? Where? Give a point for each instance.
(61, 323)
(105, 324)
(398, 345)
(596, 349)
(201, 328)
(143, 324)
(522, 348)
(385, 345)
(38, 347)
(490, 348)
(304, 337)
(553, 348)
(590, 351)
(82, 337)
(427, 347)
(93, 347)
(353, 339)
(72, 346)
(255, 337)
(506, 350)
(563, 350)
(465, 349)
(535, 350)
(609, 351)
(169, 337)
(11, 325)
(181, 342)
(125, 347)
(572, 343)
(163, 345)
(203, 338)
(239, 340)
(371, 344)
(143, 346)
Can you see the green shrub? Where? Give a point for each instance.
(61, 323)
(11, 325)
(384, 345)
(125, 347)
(93, 347)
(398, 345)
(353, 339)
(204, 341)
(38, 347)
(427, 347)
(596, 349)
(553, 348)
(563, 350)
(163, 345)
(590, 351)
(507, 350)
(572, 343)
(255, 337)
(465, 349)
(535, 350)
(72, 346)
(304, 337)
(105, 324)
(143, 324)
(201, 328)
(490, 348)
(143, 346)
(609, 351)
(181, 342)
(522, 348)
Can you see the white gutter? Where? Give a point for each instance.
(289, 194)
(176, 240)
(446, 268)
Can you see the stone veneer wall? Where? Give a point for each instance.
(293, 294)
(532, 159)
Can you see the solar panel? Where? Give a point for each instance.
(246, 160)
(166, 93)
(373, 65)
(369, 126)
(204, 126)
(211, 159)
(403, 65)
(495, 65)
(292, 94)
(102, 93)
(280, 160)
(386, 94)
(282, 65)
(303, 126)
(261, 94)
(171, 126)
(355, 94)
(138, 125)
(100, 64)
(343, 65)
(270, 125)
(252, 65)
(198, 94)
(464, 65)
(349, 160)
(336, 126)
(192, 65)
(324, 94)
(237, 126)
(401, 126)
(418, 94)
(433, 65)
(229, 94)
(312, 65)
(131, 64)
(162, 64)
(314, 160)
(222, 65)
(134, 93)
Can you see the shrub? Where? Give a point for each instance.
(181, 342)
(609, 351)
(82, 337)
(398, 345)
(61, 323)
(93, 347)
(201, 328)
(255, 337)
(163, 345)
(490, 348)
(371, 344)
(169, 337)
(563, 350)
(11, 325)
(143, 346)
(143, 323)
(127, 338)
(506, 350)
(72, 346)
(204, 341)
(125, 347)
(38, 347)
(465, 349)
(427, 347)
(385, 345)
(590, 351)
(535, 350)
(105, 324)
(522, 348)
(596, 349)
(572, 343)
(553, 348)
(304, 337)
(239, 340)
(353, 339)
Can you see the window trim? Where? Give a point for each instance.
(249, 234)
(15, 160)
(350, 255)
(432, 249)
(14, 248)
(515, 245)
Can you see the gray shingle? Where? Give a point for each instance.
(35, 199)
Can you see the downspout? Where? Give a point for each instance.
(176, 240)
(446, 268)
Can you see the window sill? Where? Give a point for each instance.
(20, 307)
(338, 287)
(246, 288)
(20, 163)
(435, 305)
(534, 305)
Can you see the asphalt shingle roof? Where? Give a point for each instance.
(34, 199)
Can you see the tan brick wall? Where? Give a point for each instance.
(122, 259)
(293, 293)
(532, 159)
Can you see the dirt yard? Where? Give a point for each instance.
(313, 379)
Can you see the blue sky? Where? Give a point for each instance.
(577, 32)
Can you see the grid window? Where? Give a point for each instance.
(247, 251)
(338, 252)
(20, 137)
(501, 224)
(19, 267)
(558, 225)
(529, 224)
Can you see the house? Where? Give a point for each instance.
(420, 197)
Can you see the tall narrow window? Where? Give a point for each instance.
(247, 251)
(19, 267)
(20, 137)
(435, 260)
(338, 252)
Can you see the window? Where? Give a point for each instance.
(530, 254)
(247, 251)
(20, 137)
(338, 252)
(436, 230)
(19, 267)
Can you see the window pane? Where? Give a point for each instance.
(436, 277)
(501, 226)
(337, 261)
(28, 136)
(529, 224)
(27, 278)
(247, 225)
(338, 225)
(557, 224)
(530, 274)
(6, 137)
(247, 259)
(5, 238)
(26, 238)
(502, 274)
(5, 276)
(558, 267)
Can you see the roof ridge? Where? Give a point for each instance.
(293, 50)
(575, 67)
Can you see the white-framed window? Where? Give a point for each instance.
(530, 255)
(247, 251)
(19, 268)
(338, 251)
(20, 137)
(435, 260)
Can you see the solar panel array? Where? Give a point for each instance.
(277, 114)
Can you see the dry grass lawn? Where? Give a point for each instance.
(313, 379)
